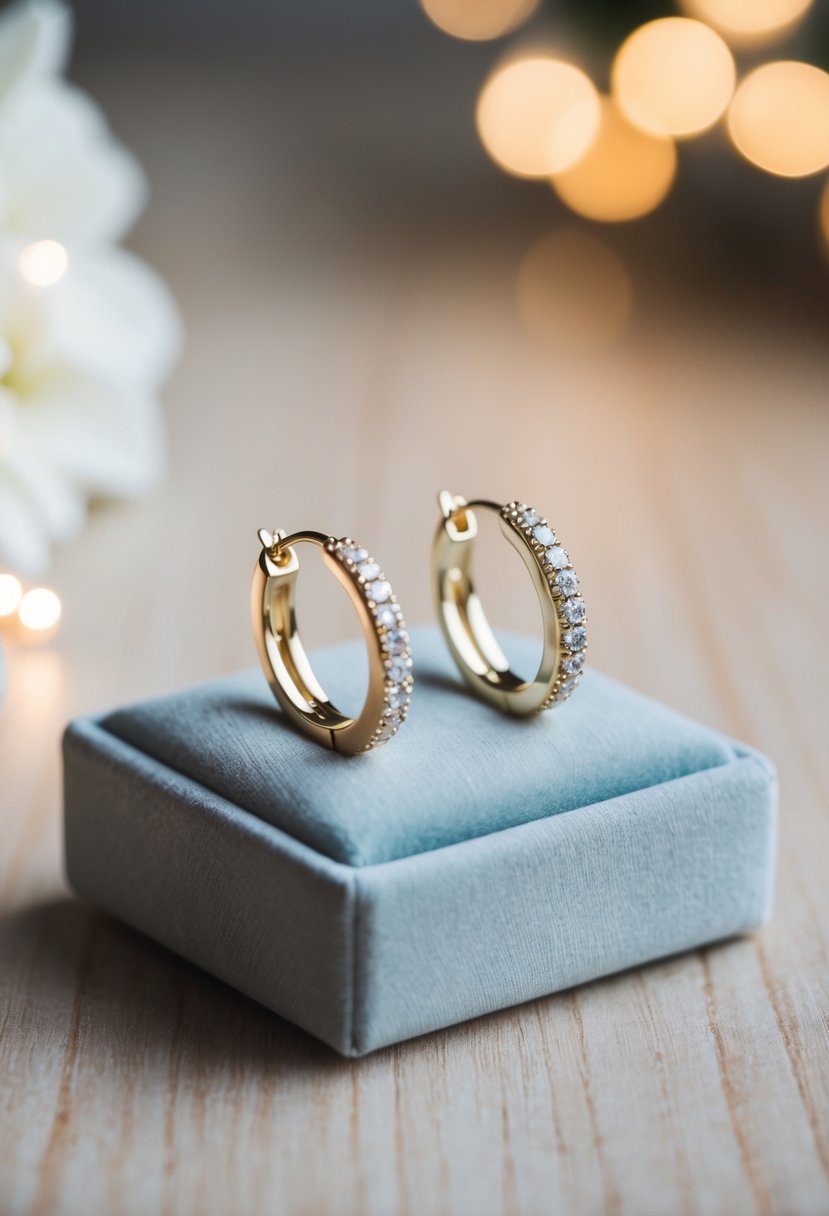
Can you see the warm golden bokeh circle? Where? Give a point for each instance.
(573, 292)
(747, 23)
(43, 263)
(478, 20)
(11, 594)
(779, 118)
(537, 115)
(624, 174)
(39, 609)
(673, 76)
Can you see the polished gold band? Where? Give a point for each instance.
(468, 633)
(286, 664)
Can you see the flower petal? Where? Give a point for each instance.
(114, 316)
(24, 540)
(57, 503)
(64, 176)
(104, 438)
(34, 43)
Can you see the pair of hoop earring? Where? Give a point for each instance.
(466, 629)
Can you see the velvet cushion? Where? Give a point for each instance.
(454, 752)
(472, 863)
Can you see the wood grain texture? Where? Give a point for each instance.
(332, 378)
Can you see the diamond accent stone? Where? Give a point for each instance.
(379, 591)
(544, 535)
(562, 585)
(398, 670)
(573, 611)
(398, 698)
(392, 638)
(396, 641)
(576, 639)
(567, 582)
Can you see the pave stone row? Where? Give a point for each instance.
(564, 587)
(392, 636)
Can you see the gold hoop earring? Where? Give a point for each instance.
(286, 665)
(466, 629)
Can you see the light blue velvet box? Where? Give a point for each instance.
(473, 863)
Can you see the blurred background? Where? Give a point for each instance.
(550, 251)
(303, 265)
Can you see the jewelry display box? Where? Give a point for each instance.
(474, 862)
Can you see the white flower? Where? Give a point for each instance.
(81, 360)
(62, 175)
(79, 413)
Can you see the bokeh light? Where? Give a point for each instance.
(747, 23)
(43, 263)
(779, 118)
(39, 609)
(573, 291)
(537, 115)
(478, 20)
(673, 77)
(10, 594)
(625, 172)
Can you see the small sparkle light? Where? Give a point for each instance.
(624, 174)
(673, 77)
(573, 291)
(537, 115)
(43, 263)
(39, 609)
(779, 118)
(10, 594)
(749, 23)
(478, 20)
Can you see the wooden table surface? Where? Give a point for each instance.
(345, 359)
